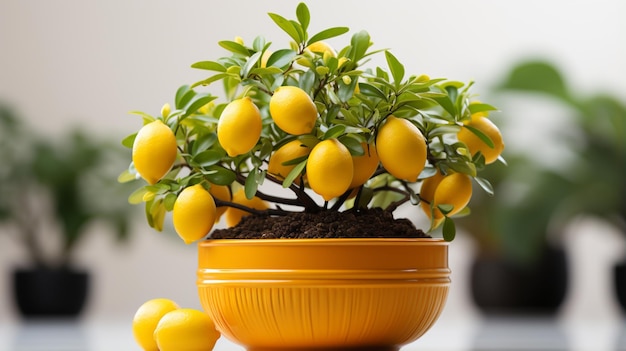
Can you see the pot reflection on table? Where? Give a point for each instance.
(46, 335)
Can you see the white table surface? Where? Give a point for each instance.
(491, 334)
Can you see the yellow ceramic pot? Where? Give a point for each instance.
(323, 294)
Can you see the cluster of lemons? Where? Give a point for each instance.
(161, 325)
(292, 117)
(331, 170)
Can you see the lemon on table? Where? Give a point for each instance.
(186, 329)
(154, 151)
(194, 213)
(239, 126)
(292, 110)
(401, 148)
(146, 320)
(329, 169)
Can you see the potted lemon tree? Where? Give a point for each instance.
(305, 157)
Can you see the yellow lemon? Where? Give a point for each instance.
(329, 169)
(292, 110)
(146, 320)
(364, 166)
(401, 148)
(292, 150)
(321, 47)
(154, 151)
(186, 329)
(220, 192)
(239, 126)
(234, 215)
(427, 194)
(475, 144)
(454, 189)
(194, 213)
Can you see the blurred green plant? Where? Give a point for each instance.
(593, 183)
(69, 183)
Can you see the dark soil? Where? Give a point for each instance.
(372, 223)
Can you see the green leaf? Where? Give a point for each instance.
(136, 197)
(484, 137)
(209, 65)
(168, 201)
(371, 90)
(264, 71)
(281, 58)
(146, 117)
(447, 104)
(307, 80)
(445, 208)
(481, 107)
(204, 142)
(295, 173)
(251, 184)
(287, 26)
(485, 185)
(353, 145)
(126, 176)
(129, 140)
(396, 68)
(252, 61)
(299, 29)
(259, 43)
(302, 12)
(183, 96)
(220, 175)
(157, 211)
(214, 79)
(327, 34)
(234, 47)
(462, 167)
(449, 229)
(197, 102)
(360, 42)
(346, 91)
(334, 131)
(208, 158)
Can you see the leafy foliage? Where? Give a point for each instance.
(352, 100)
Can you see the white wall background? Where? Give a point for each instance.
(88, 63)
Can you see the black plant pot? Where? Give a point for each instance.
(619, 275)
(500, 286)
(44, 292)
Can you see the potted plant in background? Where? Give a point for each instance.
(306, 159)
(55, 187)
(527, 231)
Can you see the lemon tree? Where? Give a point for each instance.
(318, 120)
